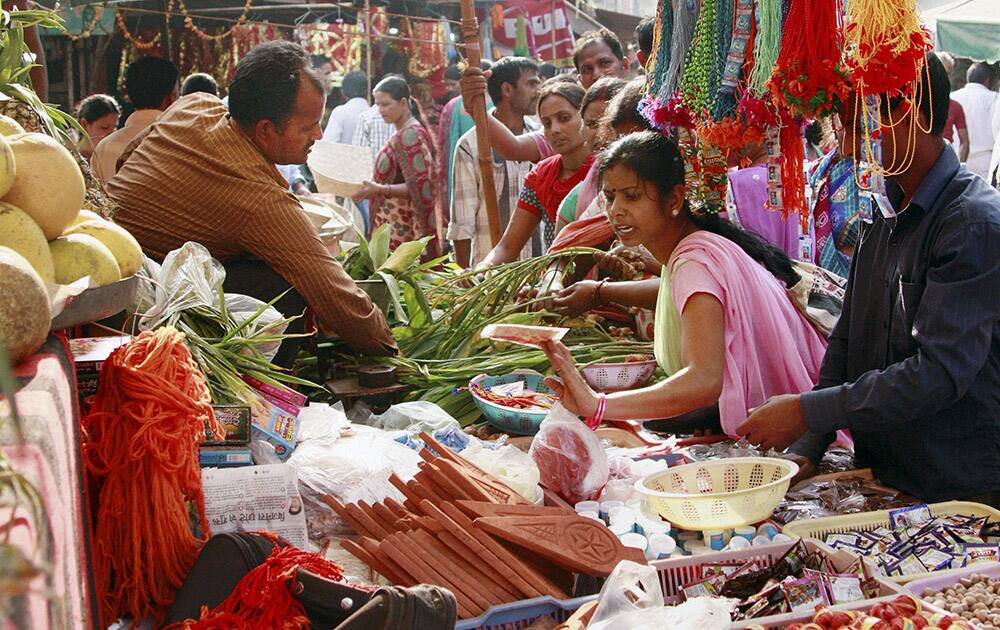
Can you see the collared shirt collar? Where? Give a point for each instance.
(931, 185)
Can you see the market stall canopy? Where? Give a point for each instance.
(966, 28)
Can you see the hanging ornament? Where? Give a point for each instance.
(767, 44)
(808, 78)
(886, 48)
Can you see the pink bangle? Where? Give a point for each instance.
(602, 404)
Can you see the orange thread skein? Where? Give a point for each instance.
(148, 418)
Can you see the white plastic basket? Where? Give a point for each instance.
(719, 494)
(616, 377)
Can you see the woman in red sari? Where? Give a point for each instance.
(551, 179)
(402, 193)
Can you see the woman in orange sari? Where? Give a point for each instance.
(402, 193)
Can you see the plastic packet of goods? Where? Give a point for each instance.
(531, 336)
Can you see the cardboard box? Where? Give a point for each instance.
(89, 354)
(236, 420)
(280, 392)
(274, 424)
(225, 456)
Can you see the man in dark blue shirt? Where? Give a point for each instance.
(913, 365)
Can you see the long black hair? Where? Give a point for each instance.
(656, 159)
(396, 86)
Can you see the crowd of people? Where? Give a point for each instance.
(910, 374)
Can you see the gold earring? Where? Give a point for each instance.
(676, 213)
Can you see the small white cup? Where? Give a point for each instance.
(635, 540)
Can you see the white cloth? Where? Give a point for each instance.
(292, 173)
(372, 131)
(468, 202)
(104, 161)
(982, 117)
(344, 120)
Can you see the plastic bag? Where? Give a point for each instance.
(354, 467)
(569, 456)
(414, 417)
(244, 307)
(510, 464)
(189, 277)
(632, 598)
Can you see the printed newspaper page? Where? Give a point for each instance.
(252, 498)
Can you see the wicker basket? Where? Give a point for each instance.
(340, 169)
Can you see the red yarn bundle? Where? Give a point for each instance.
(150, 414)
(263, 599)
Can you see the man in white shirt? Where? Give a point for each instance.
(982, 116)
(344, 118)
(151, 83)
(513, 87)
(372, 131)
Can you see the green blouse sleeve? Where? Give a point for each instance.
(567, 209)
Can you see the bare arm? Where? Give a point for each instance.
(463, 252)
(514, 148)
(583, 296)
(698, 384)
(963, 138)
(519, 230)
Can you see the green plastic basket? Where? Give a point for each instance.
(504, 418)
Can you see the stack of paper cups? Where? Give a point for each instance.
(623, 516)
(660, 547)
(607, 506)
(634, 540)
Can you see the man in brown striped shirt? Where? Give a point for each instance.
(206, 174)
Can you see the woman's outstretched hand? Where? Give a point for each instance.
(572, 390)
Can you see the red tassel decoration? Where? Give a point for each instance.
(808, 78)
(263, 599)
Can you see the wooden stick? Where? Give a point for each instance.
(439, 477)
(427, 574)
(375, 563)
(454, 572)
(476, 578)
(537, 580)
(377, 531)
(411, 497)
(470, 35)
(370, 512)
(341, 510)
(503, 569)
(371, 547)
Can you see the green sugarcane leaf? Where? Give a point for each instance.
(378, 246)
(393, 285)
(405, 256)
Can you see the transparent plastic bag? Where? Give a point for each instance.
(632, 598)
(569, 456)
(508, 463)
(244, 307)
(351, 468)
(189, 277)
(414, 417)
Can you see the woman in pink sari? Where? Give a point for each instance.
(402, 193)
(727, 334)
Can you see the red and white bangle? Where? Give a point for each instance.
(595, 420)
